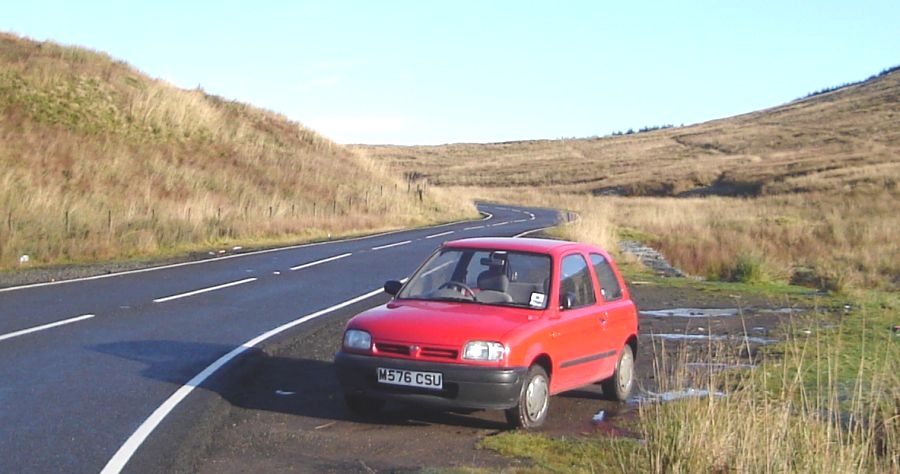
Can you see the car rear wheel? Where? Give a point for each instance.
(619, 386)
(362, 405)
(534, 401)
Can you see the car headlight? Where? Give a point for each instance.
(484, 350)
(356, 339)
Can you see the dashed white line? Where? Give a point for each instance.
(487, 216)
(319, 262)
(203, 290)
(519, 221)
(45, 326)
(474, 228)
(498, 225)
(440, 235)
(397, 244)
(131, 445)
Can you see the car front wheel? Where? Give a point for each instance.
(534, 400)
(619, 386)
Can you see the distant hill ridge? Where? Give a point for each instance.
(846, 139)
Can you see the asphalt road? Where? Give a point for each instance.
(84, 364)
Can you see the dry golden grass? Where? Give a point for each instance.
(99, 161)
(832, 242)
(827, 403)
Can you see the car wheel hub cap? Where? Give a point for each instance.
(536, 398)
(626, 368)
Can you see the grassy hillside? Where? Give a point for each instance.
(805, 192)
(99, 161)
(841, 140)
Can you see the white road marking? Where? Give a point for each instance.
(203, 290)
(487, 217)
(131, 445)
(473, 228)
(498, 225)
(439, 235)
(319, 262)
(519, 221)
(523, 234)
(392, 245)
(45, 326)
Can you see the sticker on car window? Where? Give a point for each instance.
(537, 300)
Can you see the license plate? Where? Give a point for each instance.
(411, 378)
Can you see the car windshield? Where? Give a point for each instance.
(483, 276)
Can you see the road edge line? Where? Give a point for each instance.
(487, 216)
(118, 461)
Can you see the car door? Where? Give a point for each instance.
(616, 311)
(578, 333)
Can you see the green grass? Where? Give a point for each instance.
(546, 454)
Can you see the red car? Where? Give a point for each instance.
(496, 323)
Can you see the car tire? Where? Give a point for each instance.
(363, 405)
(534, 401)
(619, 386)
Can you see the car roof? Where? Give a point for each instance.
(547, 246)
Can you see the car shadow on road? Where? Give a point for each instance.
(257, 380)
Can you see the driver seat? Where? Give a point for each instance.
(493, 284)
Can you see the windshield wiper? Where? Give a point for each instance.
(459, 299)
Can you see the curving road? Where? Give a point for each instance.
(89, 367)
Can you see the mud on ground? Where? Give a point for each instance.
(285, 412)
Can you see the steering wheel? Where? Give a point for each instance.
(459, 286)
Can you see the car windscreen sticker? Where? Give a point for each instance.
(537, 300)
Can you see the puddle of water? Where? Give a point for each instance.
(674, 395)
(710, 337)
(692, 312)
(711, 312)
(781, 311)
(718, 366)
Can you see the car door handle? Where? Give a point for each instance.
(603, 321)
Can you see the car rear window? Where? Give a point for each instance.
(609, 284)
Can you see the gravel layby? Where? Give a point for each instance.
(281, 409)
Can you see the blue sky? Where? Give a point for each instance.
(431, 72)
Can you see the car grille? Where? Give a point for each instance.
(405, 350)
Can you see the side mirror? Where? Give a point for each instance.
(392, 287)
(567, 300)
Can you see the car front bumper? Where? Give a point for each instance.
(464, 387)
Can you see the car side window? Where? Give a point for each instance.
(576, 279)
(609, 284)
